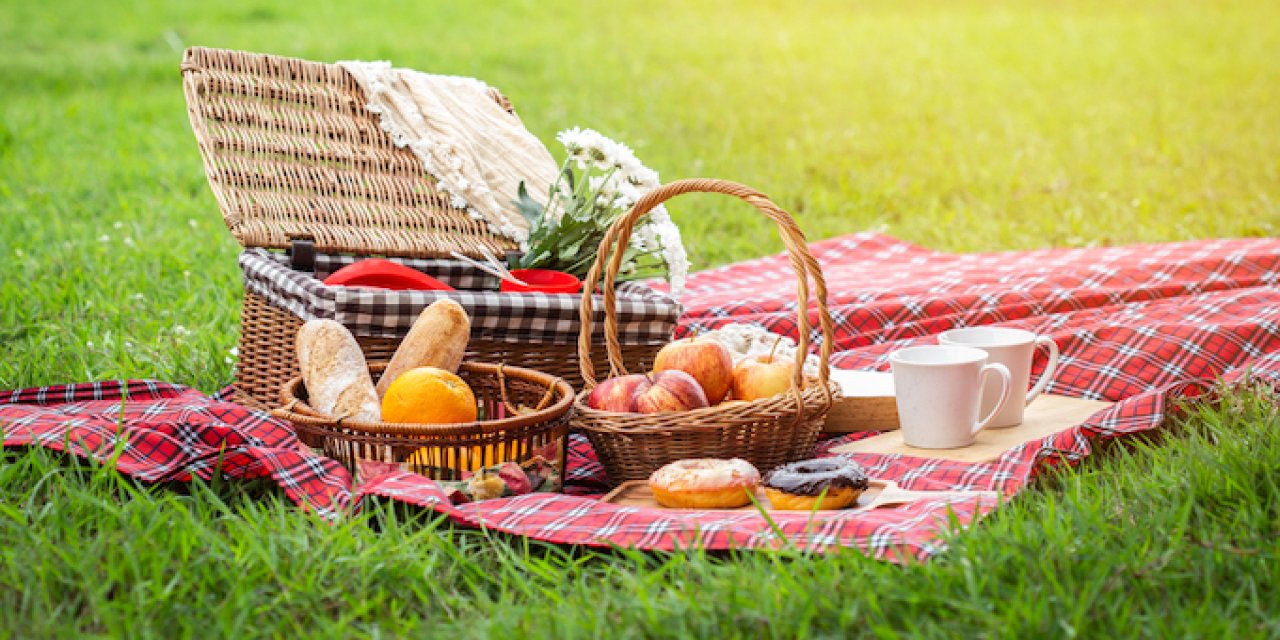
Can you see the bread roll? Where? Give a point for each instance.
(335, 372)
(438, 339)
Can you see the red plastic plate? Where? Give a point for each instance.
(376, 273)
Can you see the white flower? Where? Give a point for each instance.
(588, 148)
(234, 351)
(18, 252)
(104, 238)
(571, 139)
(627, 195)
(579, 144)
(621, 156)
(618, 180)
(88, 345)
(645, 238)
(673, 252)
(191, 223)
(660, 215)
(180, 331)
(118, 225)
(138, 297)
(186, 274)
(643, 177)
(128, 242)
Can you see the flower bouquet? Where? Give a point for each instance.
(600, 180)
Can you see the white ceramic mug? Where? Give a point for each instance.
(939, 389)
(1015, 349)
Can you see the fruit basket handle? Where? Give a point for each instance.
(619, 235)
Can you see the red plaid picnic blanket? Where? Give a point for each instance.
(1141, 325)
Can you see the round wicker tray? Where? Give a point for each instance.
(767, 432)
(527, 414)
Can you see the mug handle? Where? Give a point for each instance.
(1049, 368)
(1005, 379)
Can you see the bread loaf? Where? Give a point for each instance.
(438, 339)
(335, 372)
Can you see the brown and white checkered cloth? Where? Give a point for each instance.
(645, 316)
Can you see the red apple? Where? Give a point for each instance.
(618, 394)
(706, 360)
(762, 377)
(672, 390)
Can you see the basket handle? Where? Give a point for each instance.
(619, 234)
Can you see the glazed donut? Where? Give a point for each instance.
(799, 486)
(705, 483)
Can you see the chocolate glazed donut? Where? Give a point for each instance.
(801, 485)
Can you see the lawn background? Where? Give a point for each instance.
(969, 126)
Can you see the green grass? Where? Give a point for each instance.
(1167, 540)
(959, 125)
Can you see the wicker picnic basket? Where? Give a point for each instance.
(526, 416)
(767, 432)
(298, 163)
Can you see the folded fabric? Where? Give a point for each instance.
(478, 152)
(1127, 319)
(1143, 325)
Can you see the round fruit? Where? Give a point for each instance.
(762, 377)
(428, 395)
(708, 361)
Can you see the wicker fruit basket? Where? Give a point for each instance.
(526, 415)
(297, 163)
(767, 432)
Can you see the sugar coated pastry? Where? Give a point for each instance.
(705, 483)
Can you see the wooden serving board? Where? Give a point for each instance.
(866, 402)
(1046, 416)
(880, 493)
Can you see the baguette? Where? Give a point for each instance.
(335, 372)
(438, 339)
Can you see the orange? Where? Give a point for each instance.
(428, 395)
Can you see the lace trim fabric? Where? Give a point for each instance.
(395, 94)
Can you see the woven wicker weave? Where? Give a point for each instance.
(291, 152)
(268, 358)
(767, 432)
(445, 451)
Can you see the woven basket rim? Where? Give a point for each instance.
(749, 410)
(555, 411)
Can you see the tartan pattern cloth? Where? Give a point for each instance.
(161, 432)
(1143, 325)
(645, 316)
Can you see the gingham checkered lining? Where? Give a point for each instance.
(645, 316)
(1146, 352)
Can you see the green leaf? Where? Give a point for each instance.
(528, 207)
(567, 174)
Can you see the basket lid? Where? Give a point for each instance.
(291, 153)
